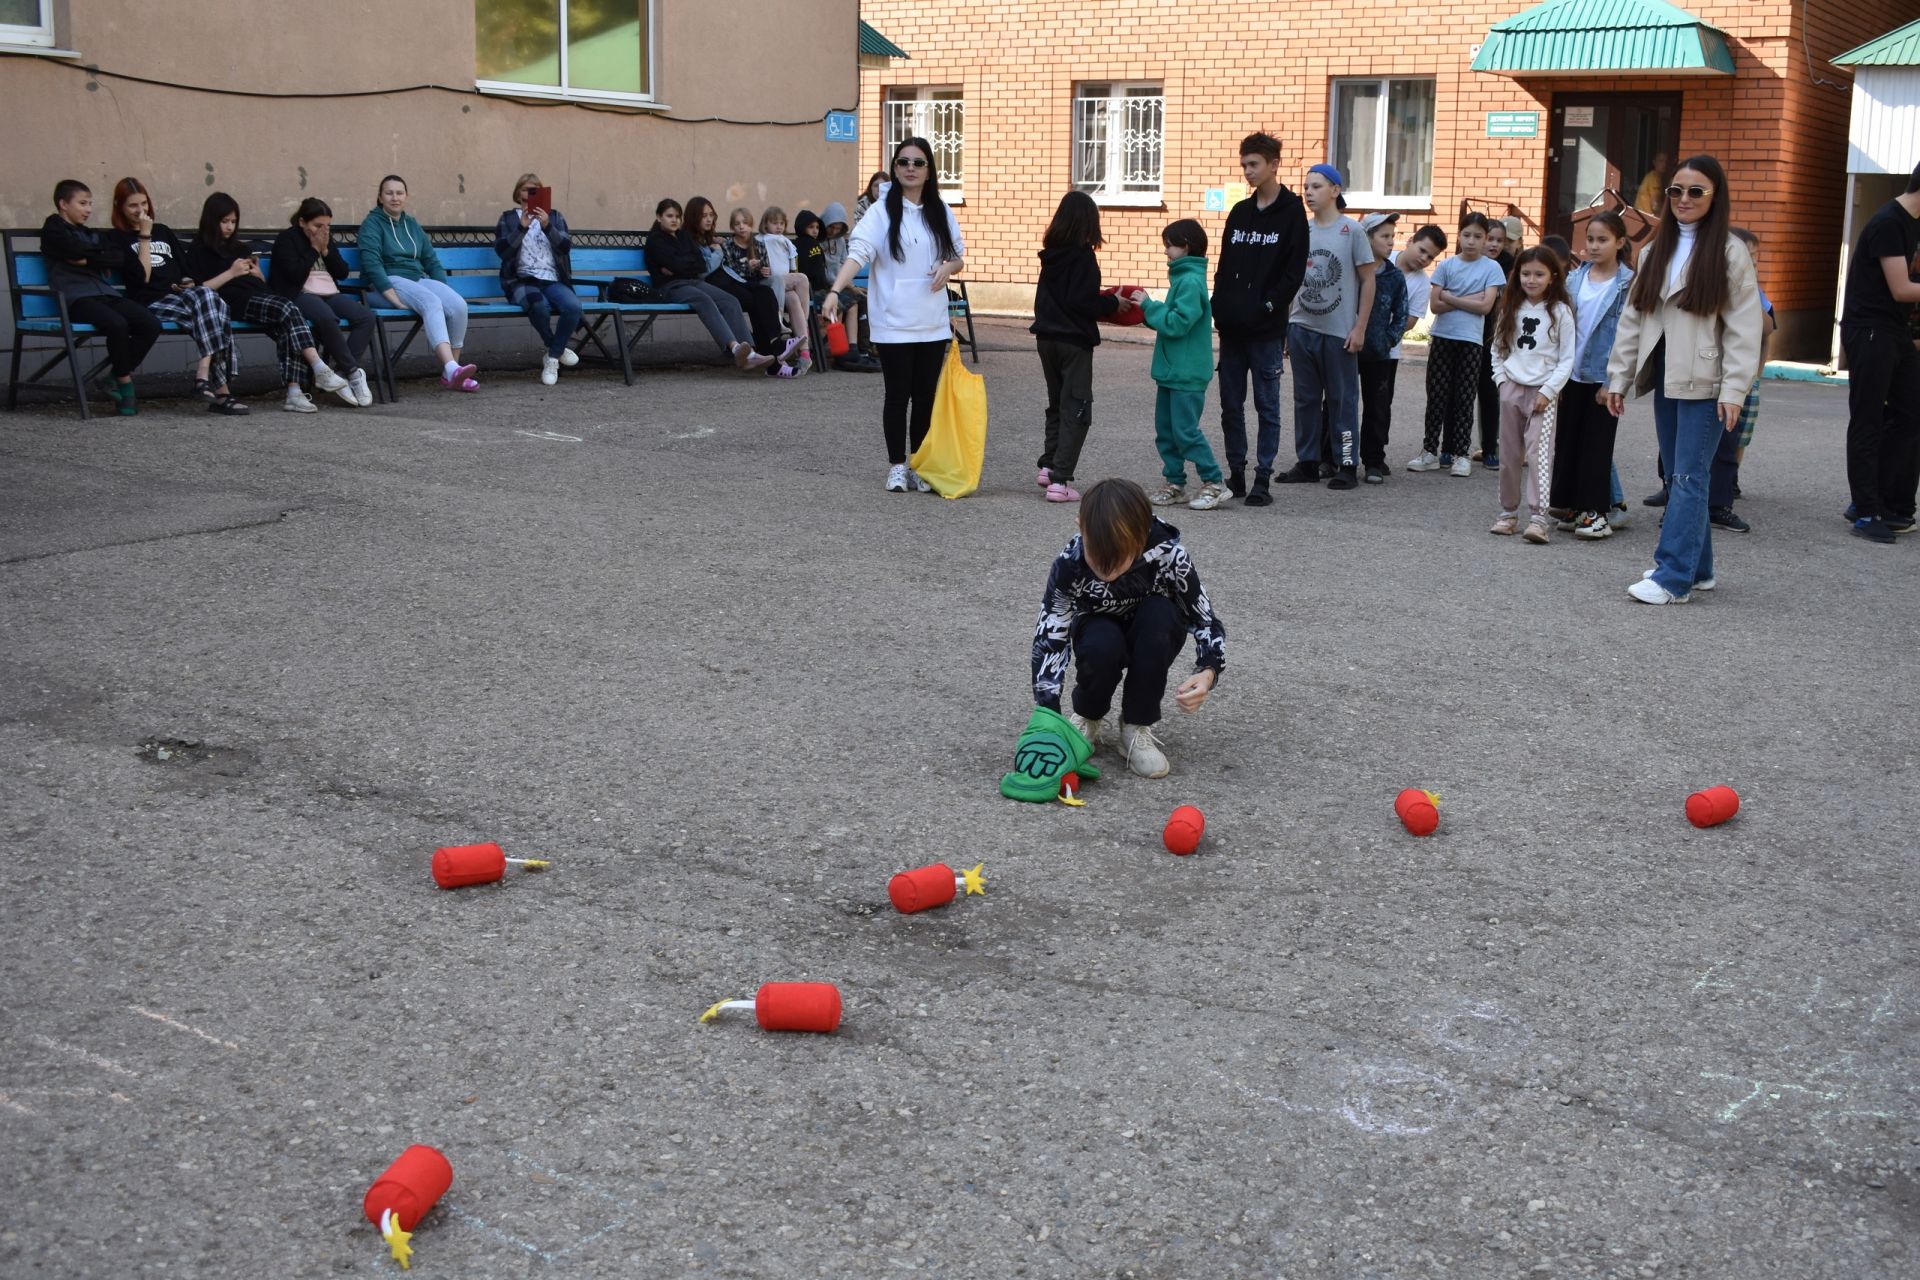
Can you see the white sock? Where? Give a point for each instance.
(450, 368)
(317, 362)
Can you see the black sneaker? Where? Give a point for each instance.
(1873, 529)
(1344, 479)
(1726, 518)
(1376, 475)
(1851, 514)
(1258, 496)
(1900, 524)
(1655, 499)
(1299, 473)
(1326, 471)
(1237, 482)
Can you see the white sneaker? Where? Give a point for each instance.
(1705, 584)
(1425, 462)
(1647, 591)
(1592, 526)
(1209, 497)
(569, 358)
(325, 379)
(918, 485)
(897, 478)
(1089, 729)
(1463, 466)
(298, 401)
(549, 370)
(1142, 751)
(1618, 516)
(362, 393)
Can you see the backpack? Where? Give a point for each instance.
(631, 289)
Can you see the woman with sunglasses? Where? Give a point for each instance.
(1690, 335)
(911, 247)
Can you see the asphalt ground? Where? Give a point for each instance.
(675, 638)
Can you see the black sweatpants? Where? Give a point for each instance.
(1883, 419)
(130, 329)
(1453, 380)
(1068, 369)
(762, 308)
(1143, 645)
(911, 373)
(344, 351)
(1376, 409)
(1583, 451)
(1488, 398)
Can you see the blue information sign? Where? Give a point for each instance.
(843, 126)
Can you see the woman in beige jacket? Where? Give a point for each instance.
(1690, 334)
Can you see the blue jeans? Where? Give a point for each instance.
(1260, 358)
(1326, 398)
(1689, 432)
(545, 301)
(1618, 495)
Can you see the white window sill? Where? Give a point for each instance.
(36, 50)
(504, 89)
(1369, 202)
(1129, 199)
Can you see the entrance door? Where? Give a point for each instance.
(1603, 142)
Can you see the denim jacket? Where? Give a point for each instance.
(1593, 360)
(1388, 320)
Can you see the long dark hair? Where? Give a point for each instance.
(930, 205)
(1514, 296)
(867, 191)
(697, 214)
(1075, 223)
(666, 204)
(310, 208)
(1705, 291)
(217, 207)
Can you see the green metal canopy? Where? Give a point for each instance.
(1619, 37)
(875, 45)
(1895, 49)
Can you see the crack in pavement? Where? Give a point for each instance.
(158, 537)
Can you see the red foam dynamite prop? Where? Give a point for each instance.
(932, 886)
(1419, 811)
(1713, 806)
(460, 865)
(837, 344)
(789, 1006)
(1184, 829)
(1128, 317)
(401, 1196)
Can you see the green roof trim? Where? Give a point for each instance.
(877, 45)
(1586, 37)
(1895, 49)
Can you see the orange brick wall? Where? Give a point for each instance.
(1228, 67)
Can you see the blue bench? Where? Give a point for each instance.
(39, 312)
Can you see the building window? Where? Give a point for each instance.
(589, 50)
(1118, 136)
(938, 114)
(1383, 141)
(26, 22)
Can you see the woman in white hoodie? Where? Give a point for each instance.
(1690, 335)
(912, 247)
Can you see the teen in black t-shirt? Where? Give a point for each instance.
(1883, 370)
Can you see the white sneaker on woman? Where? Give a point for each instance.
(919, 485)
(549, 370)
(362, 393)
(298, 401)
(569, 358)
(897, 478)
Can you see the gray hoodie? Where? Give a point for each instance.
(835, 247)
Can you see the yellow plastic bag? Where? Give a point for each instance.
(955, 450)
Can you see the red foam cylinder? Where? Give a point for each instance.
(457, 866)
(1417, 811)
(1071, 782)
(1184, 829)
(1131, 317)
(410, 1186)
(1713, 806)
(802, 1006)
(837, 344)
(923, 887)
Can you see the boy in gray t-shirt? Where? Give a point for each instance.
(1328, 328)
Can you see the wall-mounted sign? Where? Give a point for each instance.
(1579, 117)
(1514, 124)
(843, 126)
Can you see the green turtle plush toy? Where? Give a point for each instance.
(1049, 749)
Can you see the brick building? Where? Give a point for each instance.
(1427, 107)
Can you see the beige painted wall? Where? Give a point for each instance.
(781, 60)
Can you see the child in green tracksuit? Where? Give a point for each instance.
(1182, 368)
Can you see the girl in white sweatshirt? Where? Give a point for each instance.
(1533, 341)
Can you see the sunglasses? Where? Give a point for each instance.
(910, 162)
(1691, 193)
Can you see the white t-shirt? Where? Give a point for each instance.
(1588, 308)
(902, 305)
(1419, 288)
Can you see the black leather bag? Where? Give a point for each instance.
(629, 289)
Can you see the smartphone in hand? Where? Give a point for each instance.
(541, 199)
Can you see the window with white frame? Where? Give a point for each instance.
(938, 114)
(26, 22)
(1118, 141)
(589, 50)
(1383, 141)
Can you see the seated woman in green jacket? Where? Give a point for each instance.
(397, 262)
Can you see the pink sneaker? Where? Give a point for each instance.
(1062, 493)
(460, 379)
(1044, 479)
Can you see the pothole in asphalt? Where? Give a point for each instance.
(187, 753)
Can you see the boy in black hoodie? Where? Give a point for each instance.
(1067, 306)
(1263, 258)
(78, 260)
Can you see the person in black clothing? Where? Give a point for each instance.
(307, 271)
(1067, 306)
(227, 265)
(1499, 249)
(678, 271)
(1263, 259)
(78, 260)
(155, 281)
(1883, 370)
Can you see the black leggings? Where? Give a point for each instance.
(911, 371)
(130, 329)
(324, 312)
(762, 308)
